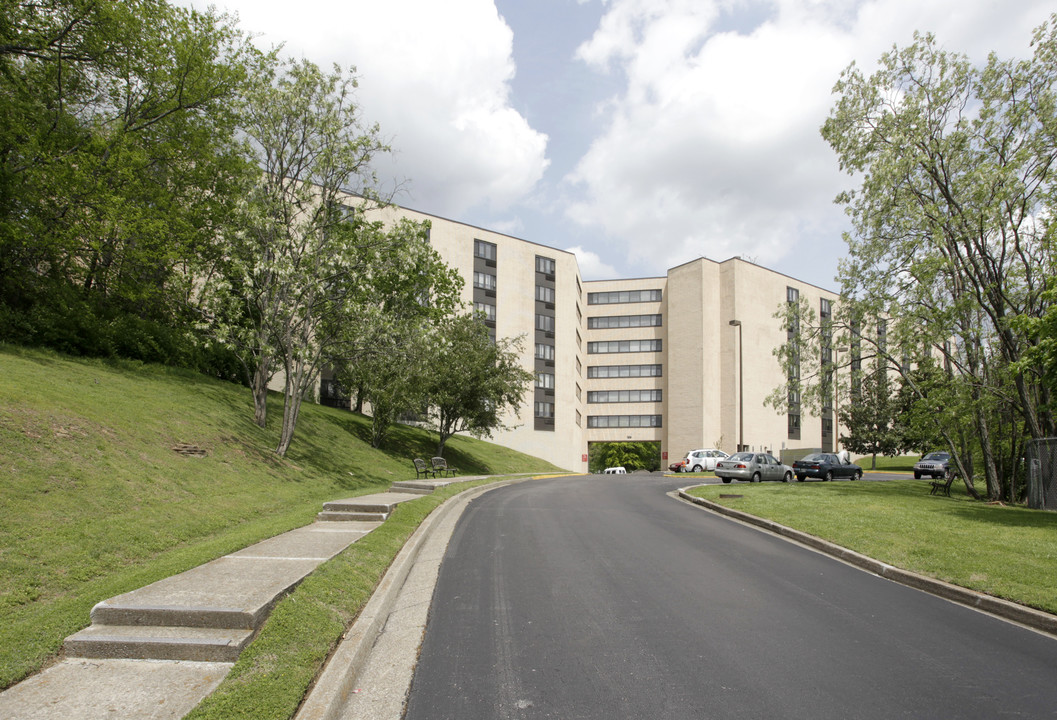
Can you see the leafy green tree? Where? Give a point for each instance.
(474, 383)
(951, 241)
(870, 418)
(629, 455)
(118, 159)
(301, 259)
(386, 347)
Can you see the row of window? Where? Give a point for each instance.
(623, 421)
(545, 380)
(484, 281)
(623, 321)
(544, 351)
(623, 371)
(485, 309)
(603, 347)
(544, 293)
(623, 396)
(484, 250)
(623, 296)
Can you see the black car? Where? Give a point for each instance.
(825, 466)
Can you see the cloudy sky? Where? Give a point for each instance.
(639, 134)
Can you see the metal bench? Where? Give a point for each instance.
(440, 465)
(422, 469)
(942, 485)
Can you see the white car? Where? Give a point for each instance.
(614, 471)
(701, 460)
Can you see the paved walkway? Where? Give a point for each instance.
(156, 652)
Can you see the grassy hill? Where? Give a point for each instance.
(95, 501)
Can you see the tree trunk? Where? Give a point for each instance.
(291, 409)
(259, 388)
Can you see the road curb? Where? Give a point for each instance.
(1029, 617)
(335, 683)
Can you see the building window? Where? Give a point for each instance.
(578, 391)
(544, 294)
(623, 346)
(623, 321)
(826, 337)
(792, 297)
(545, 323)
(485, 309)
(623, 296)
(484, 281)
(623, 371)
(544, 410)
(484, 250)
(579, 367)
(545, 380)
(544, 265)
(544, 351)
(579, 419)
(856, 361)
(623, 421)
(623, 396)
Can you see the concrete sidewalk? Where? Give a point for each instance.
(156, 652)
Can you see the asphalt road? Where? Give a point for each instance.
(602, 597)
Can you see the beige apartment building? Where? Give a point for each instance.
(685, 360)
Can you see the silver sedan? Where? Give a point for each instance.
(754, 467)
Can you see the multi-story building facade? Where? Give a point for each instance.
(685, 360)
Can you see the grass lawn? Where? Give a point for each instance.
(1009, 552)
(94, 501)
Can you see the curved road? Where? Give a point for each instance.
(602, 597)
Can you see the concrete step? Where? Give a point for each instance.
(341, 516)
(366, 507)
(413, 486)
(158, 643)
(113, 614)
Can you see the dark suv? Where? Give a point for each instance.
(933, 464)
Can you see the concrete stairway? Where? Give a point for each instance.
(375, 508)
(211, 612)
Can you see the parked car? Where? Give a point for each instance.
(678, 466)
(754, 467)
(825, 466)
(614, 471)
(933, 464)
(700, 460)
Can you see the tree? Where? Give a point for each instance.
(629, 455)
(951, 242)
(473, 381)
(300, 260)
(118, 160)
(870, 417)
(387, 354)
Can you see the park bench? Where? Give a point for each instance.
(422, 469)
(440, 465)
(943, 485)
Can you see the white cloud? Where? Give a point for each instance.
(591, 265)
(713, 148)
(436, 77)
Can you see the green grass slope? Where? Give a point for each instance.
(95, 501)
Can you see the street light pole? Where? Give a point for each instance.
(741, 388)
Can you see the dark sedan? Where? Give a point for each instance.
(825, 466)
